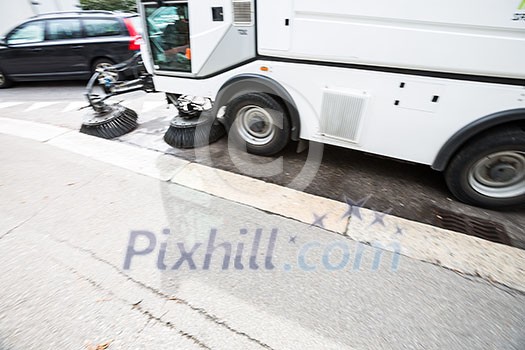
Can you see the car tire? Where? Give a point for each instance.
(105, 62)
(258, 123)
(5, 82)
(489, 171)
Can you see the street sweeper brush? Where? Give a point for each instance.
(195, 124)
(113, 120)
(116, 120)
(195, 131)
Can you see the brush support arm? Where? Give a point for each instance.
(143, 82)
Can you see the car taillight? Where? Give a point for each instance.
(134, 43)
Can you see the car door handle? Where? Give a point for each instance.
(37, 49)
(76, 47)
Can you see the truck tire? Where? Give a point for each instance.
(258, 122)
(489, 171)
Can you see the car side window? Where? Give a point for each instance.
(102, 27)
(63, 29)
(32, 32)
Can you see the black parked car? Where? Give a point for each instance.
(67, 45)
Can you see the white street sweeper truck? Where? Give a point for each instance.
(440, 83)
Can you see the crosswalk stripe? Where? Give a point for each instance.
(151, 105)
(72, 106)
(39, 105)
(9, 104)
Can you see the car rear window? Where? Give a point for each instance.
(102, 27)
(137, 23)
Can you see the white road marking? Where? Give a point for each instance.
(151, 105)
(38, 105)
(9, 104)
(73, 106)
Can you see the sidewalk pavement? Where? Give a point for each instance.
(104, 244)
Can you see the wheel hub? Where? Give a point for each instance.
(255, 125)
(503, 172)
(500, 174)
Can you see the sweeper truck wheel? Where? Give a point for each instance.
(194, 132)
(259, 123)
(490, 170)
(114, 121)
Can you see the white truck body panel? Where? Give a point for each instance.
(472, 37)
(395, 131)
(392, 72)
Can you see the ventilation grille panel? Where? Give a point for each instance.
(242, 12)
(342, 113)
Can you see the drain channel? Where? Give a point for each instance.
(486, 229)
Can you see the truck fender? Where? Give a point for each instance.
(454, 144)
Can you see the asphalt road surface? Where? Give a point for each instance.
(78, 274)
(407, 190)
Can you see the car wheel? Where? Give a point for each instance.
(258, 122)
(107, 76)
(490, 171)
(5, 82)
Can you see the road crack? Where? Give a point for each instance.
(137, 307)
(18, 225)
(45, 206)
(159, 293)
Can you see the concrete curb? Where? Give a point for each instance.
(458, 252)
(461, 253)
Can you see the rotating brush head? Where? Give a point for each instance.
(116, 120)
(195, 132)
